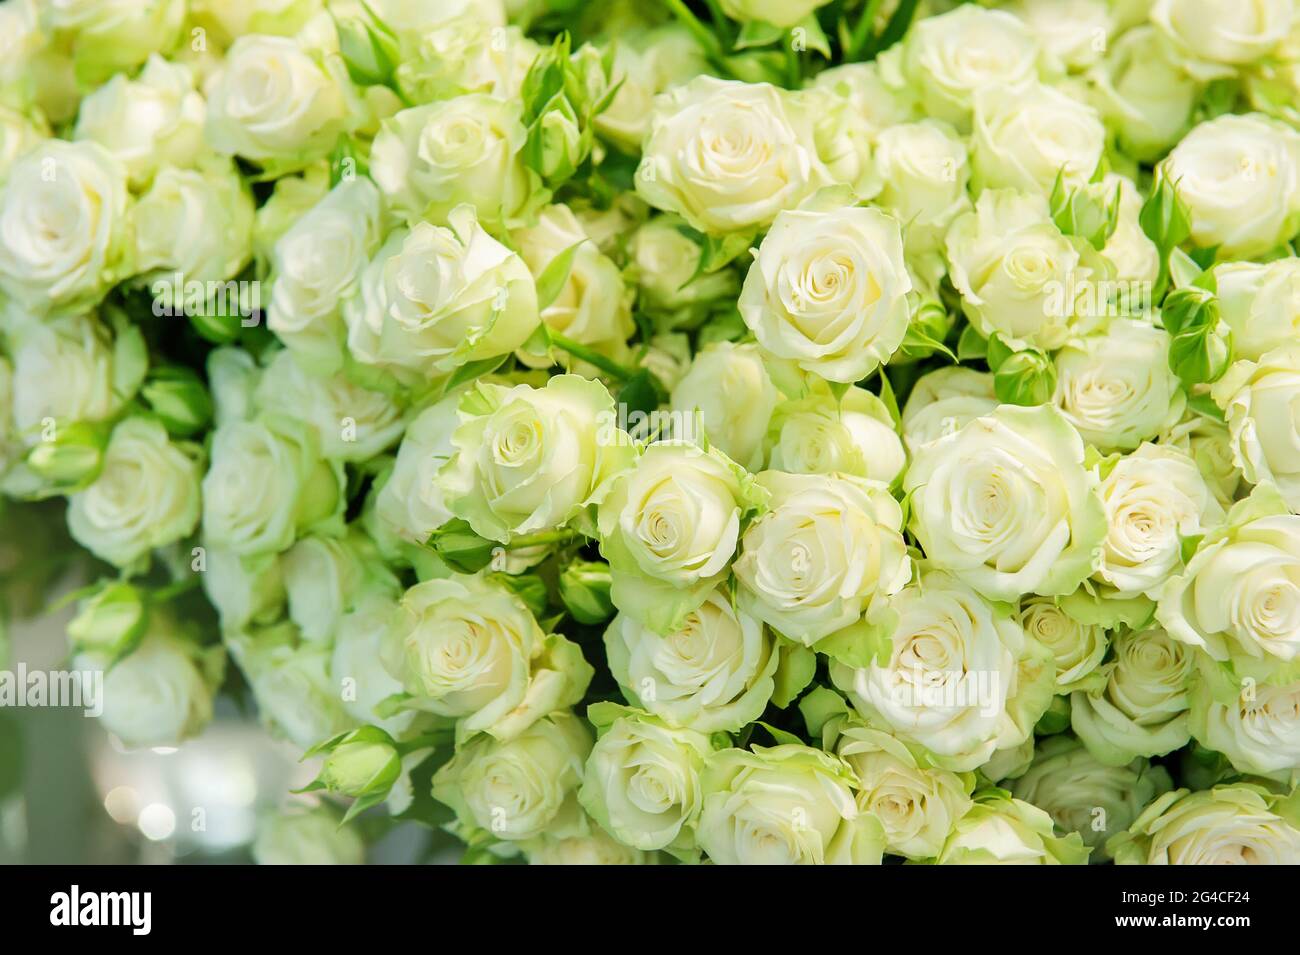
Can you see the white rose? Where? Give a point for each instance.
(1117, 388)
(665, 261)
(466, 54)
(1209, 443)
(1271, 84)
(1261, 401)
(19, 133)
(356, 662)
(1141, 709)
(924, 169)
(1007, 505)
(943, 401)
(1015, 270)
(785, 805)
(594, 846)
(306, 837)
(1025, 136)
(243, 590)
(197, 223)
(233, 18)
(842, 137)
(520, 788)
(531, 459)
(829, 550)
(730, 388)
(265, 483)
(647, 65)
(111, 36)
(1001, 830)
(1258, 728)
(1260, 303)
(820, 435)
(728, 156)
(1075, 32)
(642, 781)
(1143, 93)
(351, 423)
(430, 159)
(434, 298)
(147, 123)
(1078, 647)
(876, 90)
(473, 651)
(950, 57)
(593, 307)
(290, 200)
(414, 17)
(321, 575)
(1240, 178)
(159, 694)
(714, 673)
(1130, 250)
(316, 264)
(271, 102)
(1226, 825)
(1239, 596)
(1213, 36)
(146, 495)
(410, 504)
(669, 526)
(95, 373)
(1154, 498)
(779, 13)
(233, 374)
(21, 43)
(296, 696)
(63, 226)
(828, 291)
(1086, 796)
(959, 677)
(917, 805)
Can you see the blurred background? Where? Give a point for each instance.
(71, 793)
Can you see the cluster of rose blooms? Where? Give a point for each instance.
(744, 431)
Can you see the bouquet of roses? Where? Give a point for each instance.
(820, 431)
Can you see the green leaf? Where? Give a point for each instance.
(794, 672)
(460, 548)
(783, 737)
(1056, 719)
(529, 588)
(889, 399)
(718, 252)
(813, 37)
(1187, 546)
(972, 346)
(1204, 406)
(642, 392)
(997, 351)
(859, 645)
(819, 707)
(1204, 257)
(755, 33)
(894, 29)
(919, 343)
(472, 371)
(551, 282)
